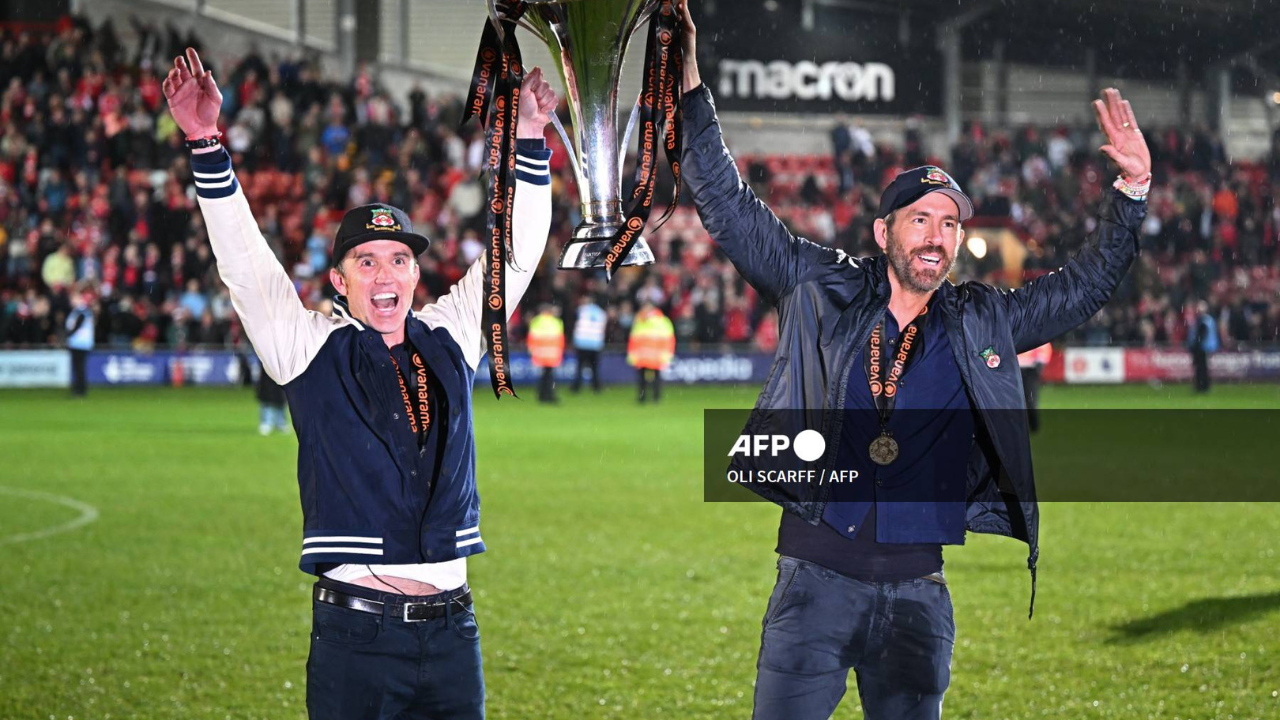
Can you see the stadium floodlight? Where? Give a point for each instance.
(977, 247)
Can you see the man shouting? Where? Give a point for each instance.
(860, 583)
(381, 403)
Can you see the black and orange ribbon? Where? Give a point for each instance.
(494, 97)
(419, 423)
(884, 385)
(661, 116)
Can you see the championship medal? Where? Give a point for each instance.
(884, 386)
(884, 450)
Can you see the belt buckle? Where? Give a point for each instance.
(418, 604)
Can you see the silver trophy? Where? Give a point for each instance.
(590, 38)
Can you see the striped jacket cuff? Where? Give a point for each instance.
(213, 175)
(533, 161)
(320, 543)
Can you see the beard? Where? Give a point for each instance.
(917, 280)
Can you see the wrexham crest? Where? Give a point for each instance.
(382, 220)
(991, 358)
(934, 176)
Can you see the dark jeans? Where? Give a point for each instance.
(79, 372)
(588, 360)
(379, 667)
(1200, 362)
(547, 385)
(897, 637)
(650, 383)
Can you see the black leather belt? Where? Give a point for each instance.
(409, 612)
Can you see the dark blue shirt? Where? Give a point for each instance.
(433, 444)
(921, 492)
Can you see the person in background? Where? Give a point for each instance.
(1202, 340)
(651, 348)
(59, 269)
(1032, 364)
(588, 341)
(271, 401)
(546, 349)
(80, 341)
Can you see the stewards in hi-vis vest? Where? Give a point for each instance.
(546, 349)
(651, 348)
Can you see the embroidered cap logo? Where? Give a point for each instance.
(382, 220)
(935, 177)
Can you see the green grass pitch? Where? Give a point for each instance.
(610, 590)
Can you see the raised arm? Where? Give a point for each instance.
(458, 311)
(1055, 303)
(755, 240)
(285, 335)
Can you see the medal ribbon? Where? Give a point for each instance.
(884, 386)
(494, 97)
(423, 417)
(661, 117)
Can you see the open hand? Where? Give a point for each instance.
(537, 102)
(194, 98)
(1125, 144)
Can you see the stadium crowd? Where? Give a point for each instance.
(96, 196)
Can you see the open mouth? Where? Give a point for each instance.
(385, 301)
(930, 259)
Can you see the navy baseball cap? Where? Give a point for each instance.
(914, 184)
(376, 222)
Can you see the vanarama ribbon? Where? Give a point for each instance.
(661, 116)
(494, 97)
(419, 423)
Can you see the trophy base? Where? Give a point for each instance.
(590, 246)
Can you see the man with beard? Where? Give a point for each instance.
(913, 382)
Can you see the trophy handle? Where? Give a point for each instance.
(494, 19)
(568, 149)
(626, 138)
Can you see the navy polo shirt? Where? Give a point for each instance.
(891, 524)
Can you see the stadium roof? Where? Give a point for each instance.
(1133, 37)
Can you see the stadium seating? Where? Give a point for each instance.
(95, 194)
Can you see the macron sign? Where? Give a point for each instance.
(806, 80)
(823, 60)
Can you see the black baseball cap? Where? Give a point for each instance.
(914, 184)
(376, 222)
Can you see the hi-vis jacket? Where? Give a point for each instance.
(546, 341)
(369, 494)
(652, 343)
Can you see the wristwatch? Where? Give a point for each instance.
(207, 141)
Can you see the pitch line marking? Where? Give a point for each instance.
(88, 514)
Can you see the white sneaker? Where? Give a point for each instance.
(264, 430)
